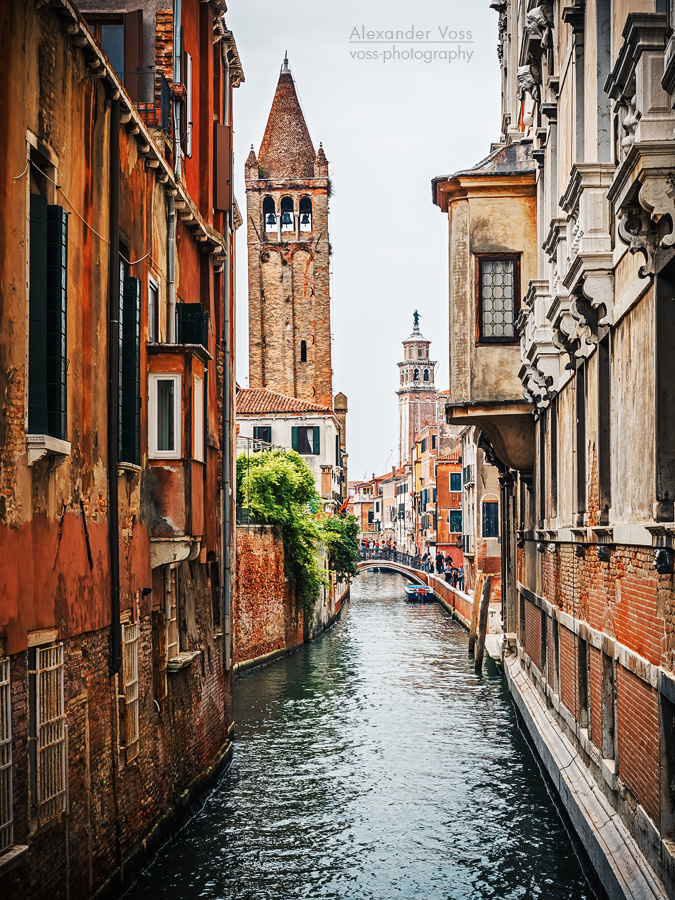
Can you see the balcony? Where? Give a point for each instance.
(151, 96)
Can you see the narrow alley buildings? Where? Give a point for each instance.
(561, 371)
(117, 449)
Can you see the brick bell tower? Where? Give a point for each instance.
(287, 190)
(417, 391)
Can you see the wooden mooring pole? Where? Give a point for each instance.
(483, 622)
(474, 613)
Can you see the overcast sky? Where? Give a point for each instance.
(387, 127)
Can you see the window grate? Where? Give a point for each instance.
(131, 697)
(50, 734)
(497, 299)
(6, 806)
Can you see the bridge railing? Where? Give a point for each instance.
(388, 554)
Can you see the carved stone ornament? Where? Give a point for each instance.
(540, 23)
(636, 230)
(598, 288)
(657, 196)
(586, 318)
(528, 79)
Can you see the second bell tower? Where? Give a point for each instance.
(287, 191)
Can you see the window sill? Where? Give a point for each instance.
(11, 857)
(182, 661)
(128, 468)
(39, 445)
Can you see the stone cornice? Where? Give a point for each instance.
(642, 32)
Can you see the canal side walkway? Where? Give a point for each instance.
(618, 861)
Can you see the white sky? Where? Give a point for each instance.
(387, 130)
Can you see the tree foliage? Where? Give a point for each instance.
(278, 488)
(341, 539)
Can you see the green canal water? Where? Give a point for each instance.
(374, 765)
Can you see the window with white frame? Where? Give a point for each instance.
(198, 418)
(172, 638)
(6, 806)
(131, 698)
(164, 413)
(47, 732)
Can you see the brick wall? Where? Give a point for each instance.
(265, 616)
(638, 732)
(114, 805)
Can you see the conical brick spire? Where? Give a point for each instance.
(286, 150)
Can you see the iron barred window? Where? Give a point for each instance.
(498, 299)
(47, 729)
(131, 695)
(6, 806)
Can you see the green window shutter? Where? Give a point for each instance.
(255, 433)
(57, 318)
(455, 521)
(317, 441)
(38, 416)
(490, 520)
(455, 481)
(130, 373)
(294, 438)
(193, 324)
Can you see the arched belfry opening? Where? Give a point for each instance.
(305, 213)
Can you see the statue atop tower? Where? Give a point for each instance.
(417, 390)
(287, 192)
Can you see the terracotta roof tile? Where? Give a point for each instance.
(261, 402)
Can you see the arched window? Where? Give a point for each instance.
(416, 375)
(287, 217)
(402, 376)
(426, 374)
(303, 351)
(305, 212)
(269, 215)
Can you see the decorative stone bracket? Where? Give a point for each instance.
(635, 229)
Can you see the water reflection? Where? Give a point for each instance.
(374, 765)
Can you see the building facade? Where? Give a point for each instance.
(116, 312)
(266, 419)
(287, 196)
(579, 422)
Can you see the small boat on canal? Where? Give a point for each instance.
(418, 592)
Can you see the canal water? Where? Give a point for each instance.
(374, 765)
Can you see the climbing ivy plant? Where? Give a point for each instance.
(340, 536)
(278, 488)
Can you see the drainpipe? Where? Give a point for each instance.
(171, 217)
(171, 273)
(227, 452)
(227, 402)
(113, 390)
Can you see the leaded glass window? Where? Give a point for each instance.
(497, 299)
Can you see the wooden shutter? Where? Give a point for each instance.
(193, 324)
(130, 424)
(133, 53)
(490, 520)
(316, 444)
(57, 317)
(294, 438)
(37, 344)
(222, 159)
(256, 433)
